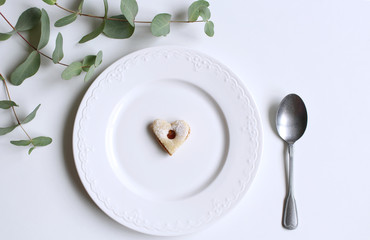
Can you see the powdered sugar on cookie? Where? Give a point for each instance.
(171, 136)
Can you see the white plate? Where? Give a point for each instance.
(124, 169)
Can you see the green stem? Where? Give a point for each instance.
(115, 19)
(33, 47)
(15, 113)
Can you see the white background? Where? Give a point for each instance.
(319, 49)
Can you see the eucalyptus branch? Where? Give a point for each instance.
(27, 21)
(12, 107)
(122, 26)
(121, 20)
(32, 142)
(32, 46)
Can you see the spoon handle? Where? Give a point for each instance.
(290, 216)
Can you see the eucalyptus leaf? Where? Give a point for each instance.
(50, 2)
(41, 141)
(160, 25)
(91, 60)
(74, 69)
(7, 104)
(195, 8)
(45, 29)
(21, 142)
(58, 51)
(87, 62)
(129, 9)
(6, 130)
(98, 59)
(118, 29)
(5, 36)
(30, 151)
(205, 13)
(2, 78)
(66, 20)
(80, 6)
(27, 69)
(90, 73)
(94, 33)
(31, 116)
(209, 28)
(28, 19)
(2, 2)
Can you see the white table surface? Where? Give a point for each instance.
(317, 49)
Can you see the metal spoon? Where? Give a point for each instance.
(291, 122)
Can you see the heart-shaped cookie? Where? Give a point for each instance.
(171, 135)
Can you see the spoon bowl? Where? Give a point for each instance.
(291, 118)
